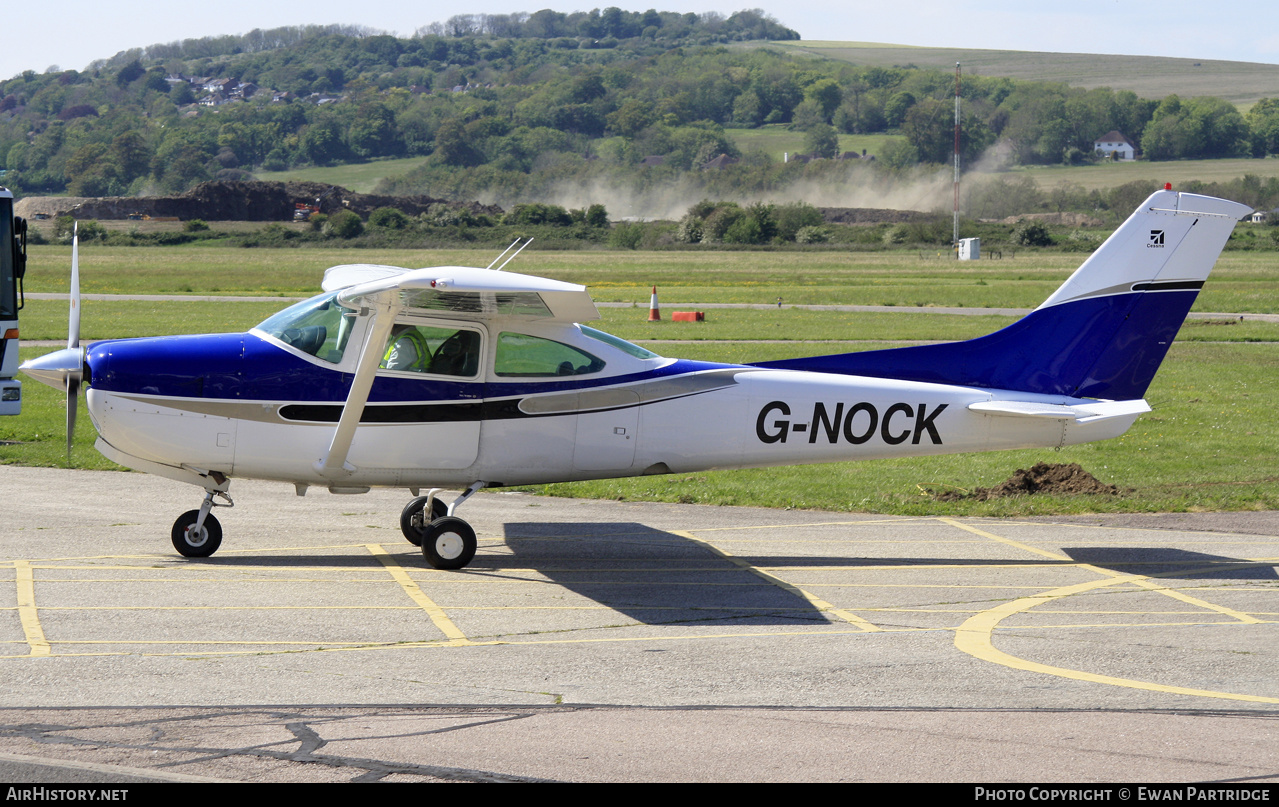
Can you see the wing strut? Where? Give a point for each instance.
(333, 464)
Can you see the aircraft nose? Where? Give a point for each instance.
(56, 368)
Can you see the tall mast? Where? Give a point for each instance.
(955, 241)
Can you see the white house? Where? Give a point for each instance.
(1113, 143)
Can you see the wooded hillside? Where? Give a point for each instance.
(511, 108)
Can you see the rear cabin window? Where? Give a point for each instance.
(523, 356)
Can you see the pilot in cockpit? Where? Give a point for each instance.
(455, 352)
(407, 349)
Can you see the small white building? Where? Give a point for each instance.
(1113, 143)
(969, 249)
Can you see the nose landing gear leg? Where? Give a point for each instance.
(197, 533)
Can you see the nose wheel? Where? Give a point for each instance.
(197, 533)
(194, 540)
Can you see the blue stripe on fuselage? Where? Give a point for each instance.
(1102, 347)
(242, 366)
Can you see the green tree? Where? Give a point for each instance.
(1263, 127)
(130, 73)
(388, 218)
(821, 140)
(343, 224)
(827, 94)
(896, 108)
(321, 143)
(181, 94)
(452, 146)
(930, 127)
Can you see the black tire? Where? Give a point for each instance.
(412, 523)
(449, 543)
(196, 546)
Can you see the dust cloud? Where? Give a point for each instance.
(925, 189)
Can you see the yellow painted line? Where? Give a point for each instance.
(27, 614)
(1186, 598)
(974, 637)
(816, 601)
(437, 615)
(1016, 544)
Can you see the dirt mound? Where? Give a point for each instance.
(1059, 479)
(47, 207)
(234, 201)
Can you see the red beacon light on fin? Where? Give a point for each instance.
(1167, 186)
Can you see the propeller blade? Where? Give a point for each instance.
(73, 403)
(65, 369)
(73, 328)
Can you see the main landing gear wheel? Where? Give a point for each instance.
(193, 543)
(413, 522)
(448, 543)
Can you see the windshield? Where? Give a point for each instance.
(621, 344)
(319, 327)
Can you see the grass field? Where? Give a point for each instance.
(776, 140)
(358, 177)
(1111, 175)
(1209, 444)
(1241, 83)
(1243, 282)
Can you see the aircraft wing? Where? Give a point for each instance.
(353, 274)
(463, 291)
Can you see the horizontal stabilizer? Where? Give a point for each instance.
(1080, 413)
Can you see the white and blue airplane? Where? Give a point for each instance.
(456, 377)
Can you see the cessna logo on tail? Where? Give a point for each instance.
(856, 424)
(1156, 239)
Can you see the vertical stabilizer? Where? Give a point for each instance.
(1102, 334)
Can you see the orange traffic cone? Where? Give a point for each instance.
(654, 315)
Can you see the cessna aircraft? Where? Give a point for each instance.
(474, 378)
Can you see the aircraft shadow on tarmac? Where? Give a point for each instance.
(1170, 563)
(653, 576)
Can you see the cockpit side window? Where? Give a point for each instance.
(428, 349)
(319, 327)
(521, 355)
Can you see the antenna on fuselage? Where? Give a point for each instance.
(499, 257)
(517, 252)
